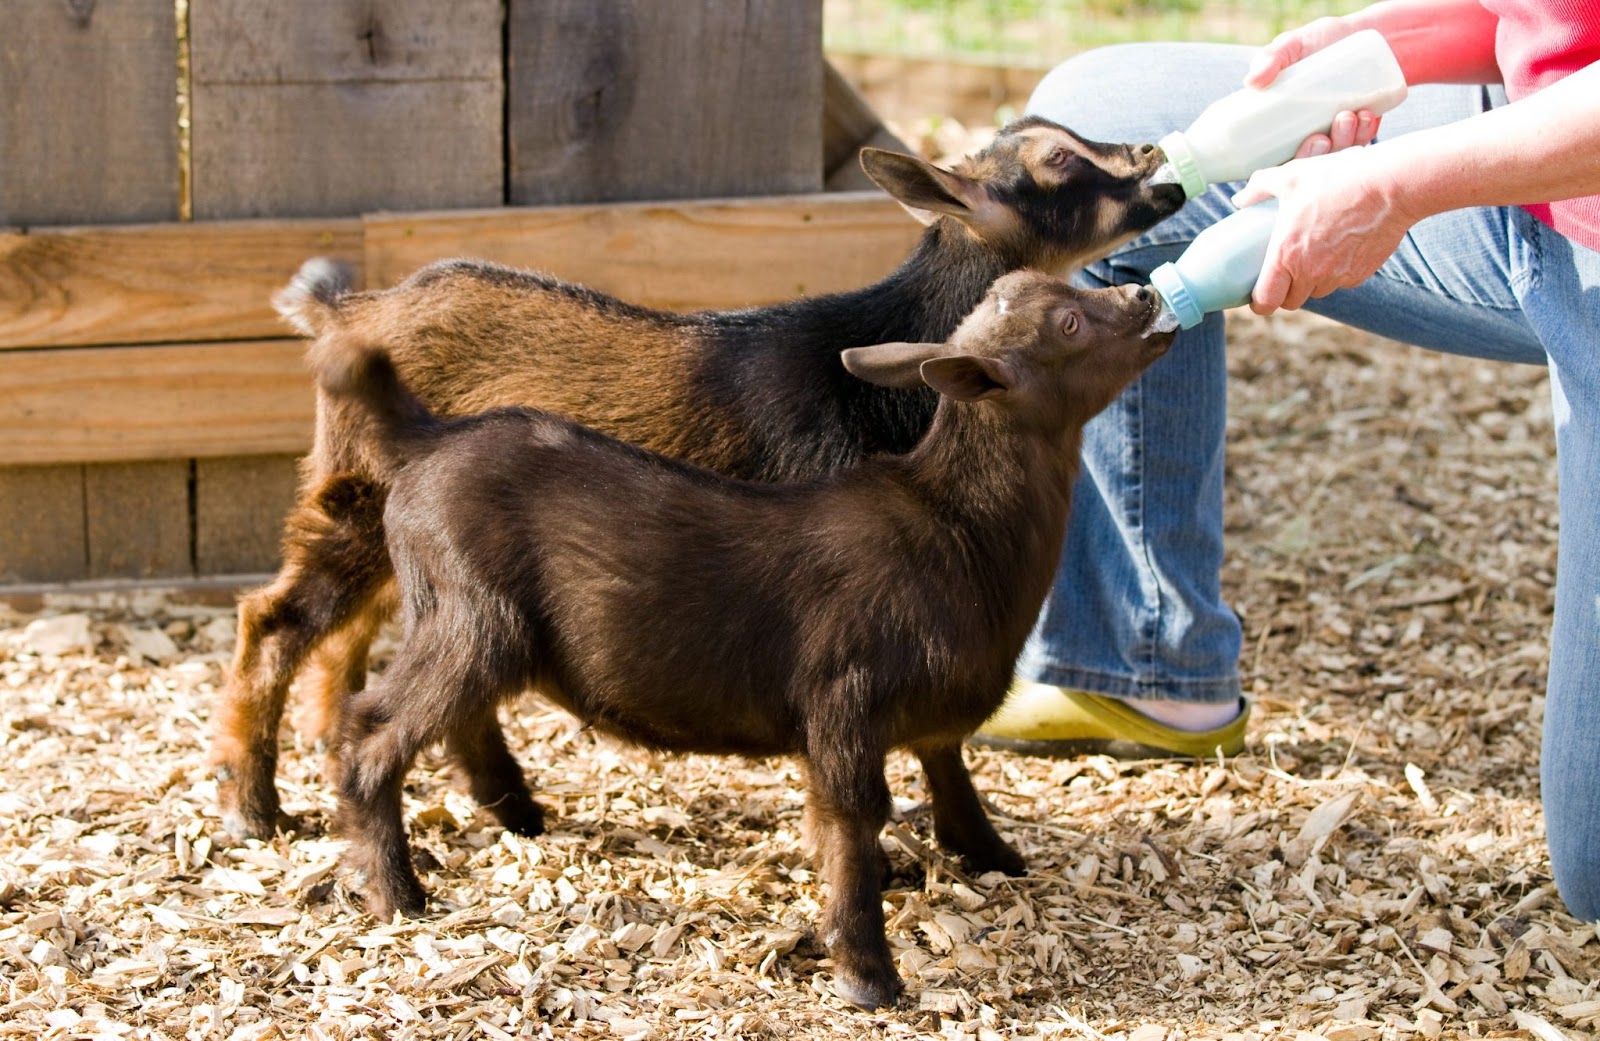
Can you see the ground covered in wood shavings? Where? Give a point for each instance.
(1372, 868)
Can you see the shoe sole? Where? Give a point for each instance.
(1071, 748)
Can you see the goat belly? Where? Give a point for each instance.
(700, 719)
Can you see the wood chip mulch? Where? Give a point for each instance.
(1373, 868)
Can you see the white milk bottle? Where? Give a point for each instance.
(1252, 129)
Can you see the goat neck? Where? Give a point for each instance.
(1004, 492)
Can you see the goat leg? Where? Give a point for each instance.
(377, 749)
(849, 804)
(334, 564)
(493, 774)
(959, 821)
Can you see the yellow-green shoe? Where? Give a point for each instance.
(1039, 719)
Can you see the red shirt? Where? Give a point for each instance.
(1537, 43)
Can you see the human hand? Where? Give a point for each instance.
(1349, 128)
(1339, 218)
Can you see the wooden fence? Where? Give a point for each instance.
(151, 404)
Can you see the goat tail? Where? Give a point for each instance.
(394, 425)
(310, 301)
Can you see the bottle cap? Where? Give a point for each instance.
(1175, 294)
(1176, 148)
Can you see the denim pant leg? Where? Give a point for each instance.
(1563, 303)
(1137, 607)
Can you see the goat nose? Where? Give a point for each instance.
(1145, 150)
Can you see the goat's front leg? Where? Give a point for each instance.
(847, 804)
(958, 818)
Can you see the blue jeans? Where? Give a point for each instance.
(1137, 609)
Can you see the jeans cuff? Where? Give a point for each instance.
(1219, 691)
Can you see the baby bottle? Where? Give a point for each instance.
(1252, 129)
(1218, 270)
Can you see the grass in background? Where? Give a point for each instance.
(1037, 33)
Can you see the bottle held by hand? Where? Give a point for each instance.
(1253, 129)
(1217, 271)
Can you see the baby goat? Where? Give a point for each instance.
(754, 393)
(881, 607)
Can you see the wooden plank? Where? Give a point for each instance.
(156, 283)
(42, 524)
(849, 123)
(240, 504)
(137, 519)
(638, 99)
(89, 122)
(168, 402)
(346, 106)
(683, 256)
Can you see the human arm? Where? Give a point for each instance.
(1435, 41)
(1362, 202)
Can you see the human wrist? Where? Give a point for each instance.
(1389, 178)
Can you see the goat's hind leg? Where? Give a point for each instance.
(493, 774)
(335, 671)
(334, 564)
(959, 821)
(415, 703)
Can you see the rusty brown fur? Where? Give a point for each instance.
(757, 393)
(834, 620)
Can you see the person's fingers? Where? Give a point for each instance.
(1342, 132)
(1316, 144)
(1296, 296)
(1367, 126)
(1273, 59)
(1258, 188)
(1271, 288)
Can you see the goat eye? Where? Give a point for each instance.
(1057, 157)
(1069, 322)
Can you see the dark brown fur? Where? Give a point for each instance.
(756, 393)
(836, 619)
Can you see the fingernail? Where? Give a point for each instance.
(1319, 148)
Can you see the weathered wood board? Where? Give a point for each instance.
(137, 519)
(638, 99)
(156, 283)
(42, 537)
(848, 125)
(679, 256)
(102, 404)
(88, 112)
(346, 106)
(239, 508)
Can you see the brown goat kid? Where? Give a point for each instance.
(881, 607)
(754, 393)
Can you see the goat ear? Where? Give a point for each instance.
(891, 364)
(925, 190)
(966, 377)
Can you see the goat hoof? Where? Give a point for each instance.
(521, 818)
(256, 821)
(1003, 859)
(383, 902)
(867, 991)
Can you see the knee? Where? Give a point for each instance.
(1574, 836)
(1137, 91)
